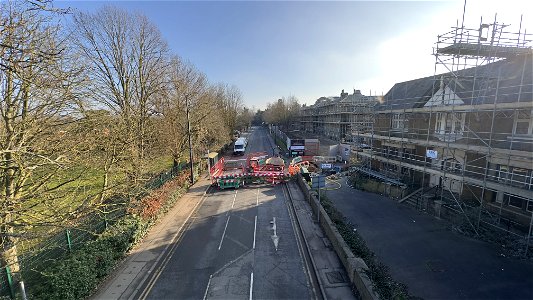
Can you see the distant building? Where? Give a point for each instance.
(339, 117)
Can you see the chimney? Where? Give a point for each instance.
(343, 94)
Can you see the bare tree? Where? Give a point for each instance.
(190, 92)
(181, 106)
(283, 111)
(127, 56)
(230, 103)
(38, 78)
(244, 118)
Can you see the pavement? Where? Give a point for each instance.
(335, 283)
(433, 261)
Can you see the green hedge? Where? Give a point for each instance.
(77, 275)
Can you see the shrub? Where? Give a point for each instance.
(155, 203)
(77, 275)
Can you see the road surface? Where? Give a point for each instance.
(433, 261)
(239, 244)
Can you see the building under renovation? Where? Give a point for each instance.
(339, 117)
(461, 141)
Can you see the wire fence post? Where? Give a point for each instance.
(10, 282)
(23, 290)
(69, 243)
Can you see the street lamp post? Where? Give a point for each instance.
(190, 141)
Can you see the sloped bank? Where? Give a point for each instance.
(77, 275)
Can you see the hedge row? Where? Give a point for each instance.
(77, 275)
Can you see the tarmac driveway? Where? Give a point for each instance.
(433, 261)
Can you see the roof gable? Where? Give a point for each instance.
(444, 96)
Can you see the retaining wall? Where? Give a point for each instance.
(355, 266)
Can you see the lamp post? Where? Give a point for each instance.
(190, 142)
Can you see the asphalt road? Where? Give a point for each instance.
(239, 244)
(433, 261)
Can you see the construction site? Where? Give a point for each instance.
(458, 144)
(339, 117)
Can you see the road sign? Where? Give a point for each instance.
(325, 166)
(318, 182)
(432, 154)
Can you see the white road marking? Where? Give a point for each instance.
(224, 233)
(207, 288)
(234, 197)
(275, 238)
(255, 230)
(251, 284)
(257, 198)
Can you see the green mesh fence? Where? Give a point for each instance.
(35, 259)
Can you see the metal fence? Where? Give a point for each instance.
(35, 259)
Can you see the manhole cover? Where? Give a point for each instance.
(336, 277)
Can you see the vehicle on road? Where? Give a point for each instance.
(240, 146)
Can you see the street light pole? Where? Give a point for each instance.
(190, 142)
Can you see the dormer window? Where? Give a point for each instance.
(450, 125)
(523, 122)
(399, 122)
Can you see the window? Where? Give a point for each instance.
(450, 123)
(514, 201)
(399, 122)
(523, 122)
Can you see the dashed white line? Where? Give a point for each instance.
(234, 197)
(255, 229)
(257, 198)
(251, 284)
(207, 288)
(224, 233)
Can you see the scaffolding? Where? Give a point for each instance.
(339, 117)
(462, 139)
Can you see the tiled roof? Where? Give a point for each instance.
(509, 80)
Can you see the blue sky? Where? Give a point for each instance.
(313, 48)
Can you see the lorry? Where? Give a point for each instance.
(240, 146)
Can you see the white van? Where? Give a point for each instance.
(240, 146)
